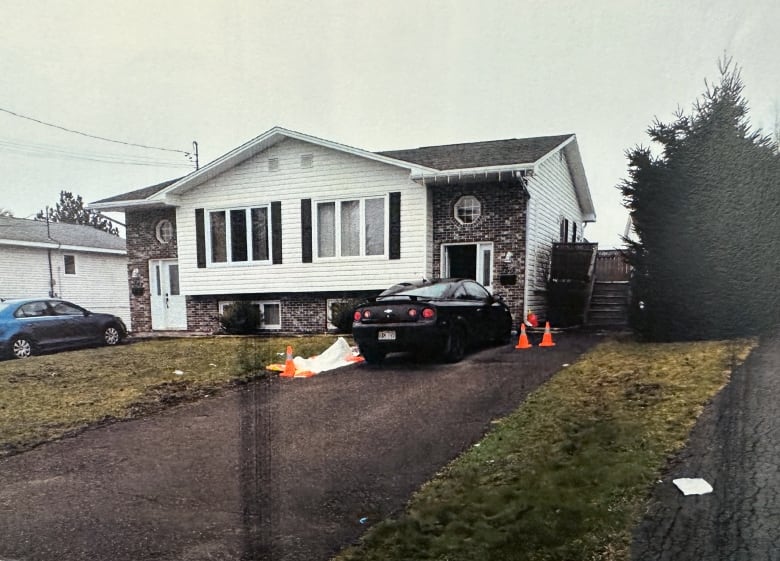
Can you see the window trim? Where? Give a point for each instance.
(361, 228)
(462, 199)
(158, 231)
(263, 326)
(247, 231)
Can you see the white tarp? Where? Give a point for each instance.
(337, 355)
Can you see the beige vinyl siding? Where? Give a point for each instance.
(552, 197)
(100, 282)
(333, 175)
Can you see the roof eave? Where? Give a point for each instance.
(449, 174)
(123, 206)
(63, 247)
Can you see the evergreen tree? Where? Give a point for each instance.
(71, 210)
(707, 215)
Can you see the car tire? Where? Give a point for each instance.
(112, 335)
(21, 347)
(372, 356)
(455, 348)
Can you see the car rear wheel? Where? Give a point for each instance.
(372, 355)
(111, 335)
(455, 349)
(21, 347)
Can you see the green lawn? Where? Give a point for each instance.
(48, 396)
(564, 477)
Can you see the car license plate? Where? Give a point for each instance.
(386, 336)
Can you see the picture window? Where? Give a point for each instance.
(239, 235)
(351, 228)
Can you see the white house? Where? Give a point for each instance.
(77, 263)
(294, 222)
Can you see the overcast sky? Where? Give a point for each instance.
(374, 75)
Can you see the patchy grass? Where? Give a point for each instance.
(564, 476)
(48, 396)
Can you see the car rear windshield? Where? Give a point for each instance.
(427, 291)
(4, 305)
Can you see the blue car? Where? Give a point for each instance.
(32, 325)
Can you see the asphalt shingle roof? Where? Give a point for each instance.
(34, 231)
(480, 154)
(139, 194)
(450, 156)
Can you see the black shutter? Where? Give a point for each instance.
(306, 240)
(200, 238)
(276, 231)
(395, 225)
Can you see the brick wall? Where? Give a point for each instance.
(301, 313)
(143, 245)
(502, 222)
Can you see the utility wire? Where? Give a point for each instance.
(90, 135)
(44, 150)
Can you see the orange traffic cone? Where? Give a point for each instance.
(547, 337)
(522, 342)
(289, 365)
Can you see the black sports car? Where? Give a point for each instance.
(445, 316)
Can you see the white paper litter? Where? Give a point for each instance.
(334, 356)
(692, 486)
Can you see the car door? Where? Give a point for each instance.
(37, 321)
(486, 323)
(75, 323)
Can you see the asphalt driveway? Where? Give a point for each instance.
(279, 469)
(735, 446)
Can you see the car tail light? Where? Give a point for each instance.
(428, 313)
(356, 316)
(366, 314)
(412, 312)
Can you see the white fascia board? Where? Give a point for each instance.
(258, 145)
(63, 247)
(121, 206)
(459, 172)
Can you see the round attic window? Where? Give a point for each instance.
(467, 209)
(164, 231)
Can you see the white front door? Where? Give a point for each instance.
(169, 307)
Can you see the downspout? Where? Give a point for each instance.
(48, 252)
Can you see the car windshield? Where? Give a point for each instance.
(426, 291)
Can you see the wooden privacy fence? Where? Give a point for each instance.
(611, 265)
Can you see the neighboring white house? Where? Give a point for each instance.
(77, 263)
(294, 223)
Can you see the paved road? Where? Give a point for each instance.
(736, 448)
(279, 469)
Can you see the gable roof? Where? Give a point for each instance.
(33, 233)
(430, 162)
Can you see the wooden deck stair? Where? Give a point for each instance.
(609, 305)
